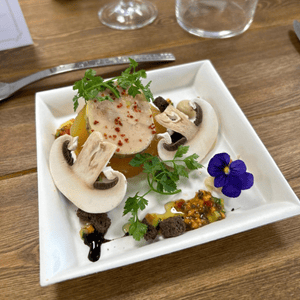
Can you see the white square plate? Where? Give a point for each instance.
(63, 254)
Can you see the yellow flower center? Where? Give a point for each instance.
(226, 170)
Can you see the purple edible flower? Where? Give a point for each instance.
(230, 175)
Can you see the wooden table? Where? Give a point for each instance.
(261, 68)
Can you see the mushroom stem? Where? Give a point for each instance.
(177, 121)
(93, 157)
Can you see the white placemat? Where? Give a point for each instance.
(13, 29)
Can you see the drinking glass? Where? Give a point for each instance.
(126, 14)
(215, 18)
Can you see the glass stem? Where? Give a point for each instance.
(127, 3)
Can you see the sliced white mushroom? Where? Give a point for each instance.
(200, 138)
(187, 107)
(76, 180)
(174, 119)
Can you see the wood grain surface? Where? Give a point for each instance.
(261, 68)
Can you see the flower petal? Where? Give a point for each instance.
(233, 187)
(220, 180)
(217, 164)
(247, 180)
(237, 168)
(231, 190)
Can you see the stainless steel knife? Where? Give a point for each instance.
(8, 89)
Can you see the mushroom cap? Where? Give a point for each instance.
(203, 140)
(72, 185)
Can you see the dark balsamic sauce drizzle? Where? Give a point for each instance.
(94, 241)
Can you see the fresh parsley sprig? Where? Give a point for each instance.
(133, 204)
(91, 85)
(162, 177)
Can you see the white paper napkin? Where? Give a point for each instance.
(13, 29)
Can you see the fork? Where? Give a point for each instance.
(8, 89)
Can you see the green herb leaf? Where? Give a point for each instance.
(168, 183)
(133, 63)
(140, 159)
(181, 151)
(142, 203)
(153, 165)
(91, 85)
(137, 229)
(75, 102)
(133, 205)
(181, 170)
(192, 163)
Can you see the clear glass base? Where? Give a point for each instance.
(127, 15)
(215, 19)
(222, 34)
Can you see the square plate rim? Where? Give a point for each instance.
(196, 64)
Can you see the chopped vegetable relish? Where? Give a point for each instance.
(201, 210)
(64, 128)
(196, 212)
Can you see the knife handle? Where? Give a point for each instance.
(118, 60)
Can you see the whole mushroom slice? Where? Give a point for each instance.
(200, 139)
(76, 181)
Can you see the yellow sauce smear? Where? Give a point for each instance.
(196, 212)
